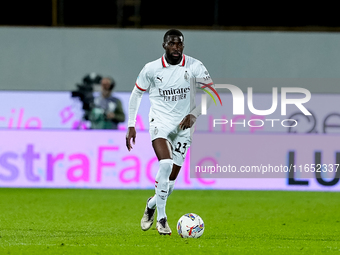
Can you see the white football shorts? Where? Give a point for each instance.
(179, 139)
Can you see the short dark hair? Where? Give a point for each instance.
(172, 32)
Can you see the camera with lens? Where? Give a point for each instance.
(85, 91)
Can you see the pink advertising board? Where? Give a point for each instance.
(58, 110)
(99, 159)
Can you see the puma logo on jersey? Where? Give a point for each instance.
(161, 79)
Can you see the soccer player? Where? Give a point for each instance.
(171, 117)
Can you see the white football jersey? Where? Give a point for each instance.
(169, 87)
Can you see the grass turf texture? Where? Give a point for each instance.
(69, 221)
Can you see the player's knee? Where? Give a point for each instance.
(165, 168)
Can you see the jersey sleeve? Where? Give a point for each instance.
(143, 80)
(200, 71)
(134, 102)
(202, 76)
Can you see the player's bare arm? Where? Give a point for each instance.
(131, 134)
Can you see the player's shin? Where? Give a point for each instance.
(171, 187)
(162, 186)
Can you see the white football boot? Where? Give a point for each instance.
(148, 217)
(163, 227)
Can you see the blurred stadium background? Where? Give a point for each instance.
(47, 47)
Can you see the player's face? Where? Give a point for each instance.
(174, 46)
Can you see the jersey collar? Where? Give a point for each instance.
(165, 64)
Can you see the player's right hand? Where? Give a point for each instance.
(187, 122)
(131, 133)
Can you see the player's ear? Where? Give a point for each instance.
(163, 44)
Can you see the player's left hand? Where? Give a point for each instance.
(187, 122)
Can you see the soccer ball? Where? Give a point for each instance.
(190, 225)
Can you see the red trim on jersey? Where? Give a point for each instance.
(183, 63)
(140, 88)
(163, 63)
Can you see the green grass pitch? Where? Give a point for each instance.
(71, 221)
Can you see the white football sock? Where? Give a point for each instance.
(162, 186)
(152, 201)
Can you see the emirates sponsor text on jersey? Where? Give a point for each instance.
(174, 94)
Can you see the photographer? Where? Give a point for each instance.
(106, 111)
